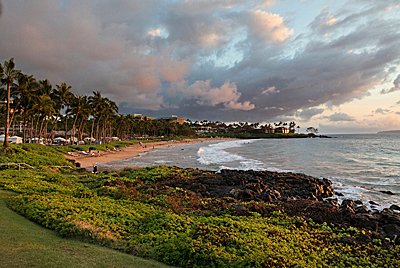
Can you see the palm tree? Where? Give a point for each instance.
(62, 96)
(26, 88)
(110, 108)
(292, 126)
(96, 101)
(77, 106)
(85, 113)
(8, 76)
(45, 87)
(44, 107)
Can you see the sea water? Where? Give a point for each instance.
(360, 166)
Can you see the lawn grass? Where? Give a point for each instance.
(26, 244)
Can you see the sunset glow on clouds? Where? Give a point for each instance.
(327, 64)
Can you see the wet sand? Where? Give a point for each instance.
(87, 161)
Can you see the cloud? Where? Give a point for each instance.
(270, 90)
(266, 4)
(336, 117)
(396, 86)
(245, 106)
(156, 32)
(268, 27)
(306, 114)
(227, 95)
(389, 122)
(195, 7)
(382, 111)
(228, 60)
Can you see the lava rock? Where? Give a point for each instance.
(395, 207)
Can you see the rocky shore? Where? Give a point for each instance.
(296, 194)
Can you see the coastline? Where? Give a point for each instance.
(86, 161)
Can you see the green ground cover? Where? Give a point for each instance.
(133, 212)
(37, 155)
(24, 243)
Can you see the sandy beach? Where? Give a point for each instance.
(87, 161)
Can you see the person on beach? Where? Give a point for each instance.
(94, 168)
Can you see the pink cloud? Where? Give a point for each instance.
(268, 27)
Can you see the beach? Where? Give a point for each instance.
(86, 161)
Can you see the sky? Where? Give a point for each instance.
(330, 64)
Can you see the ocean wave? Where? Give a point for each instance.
(216, 154)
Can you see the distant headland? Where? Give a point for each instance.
(389, 132)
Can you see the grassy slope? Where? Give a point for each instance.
(26, 244)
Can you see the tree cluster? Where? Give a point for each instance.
(40, 110)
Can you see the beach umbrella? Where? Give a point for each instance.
(92, 148)
(79, 149)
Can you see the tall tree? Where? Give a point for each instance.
(45, 87)
(96, 101)
(62, 96)
(8, 77)
(77, 106)
(44, 107)
(26, 88)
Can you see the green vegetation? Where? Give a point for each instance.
(37, 155)
(135, 212)
(26, 244)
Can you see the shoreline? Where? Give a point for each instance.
(86, 161)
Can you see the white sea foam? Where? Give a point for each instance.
(250, 164)
(364, 194)
(216, 154)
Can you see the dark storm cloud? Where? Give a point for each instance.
(306, 114)
(225, 60)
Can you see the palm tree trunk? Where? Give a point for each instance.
(66, 126)
(13, 130)
(40, 130)
(73, 129)
(36, 127)
(7, 126)
(24, 124)
(80, 130)
(91, 133)
(31, 129)
(55, 126)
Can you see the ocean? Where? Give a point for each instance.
(361, 167)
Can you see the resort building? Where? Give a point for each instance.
(202, 129)
(173, 119)
(268, 130)
(282, 130)
(141, 117)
